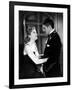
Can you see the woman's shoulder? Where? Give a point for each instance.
(26, 45)
(26, 48)
(30, 44)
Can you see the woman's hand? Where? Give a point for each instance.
(40, 55)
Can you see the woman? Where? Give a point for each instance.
(31, 55)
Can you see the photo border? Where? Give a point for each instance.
(11, 43)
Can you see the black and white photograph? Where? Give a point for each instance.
(39, 45)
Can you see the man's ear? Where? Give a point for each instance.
(50, 27)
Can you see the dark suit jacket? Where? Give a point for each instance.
(52, 52)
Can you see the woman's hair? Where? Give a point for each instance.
(29, 29)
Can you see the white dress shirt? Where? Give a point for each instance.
(50, 33)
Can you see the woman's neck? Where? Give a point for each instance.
(31, 41)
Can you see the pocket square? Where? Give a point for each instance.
(48, 45)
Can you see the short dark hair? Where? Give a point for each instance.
(48, 22)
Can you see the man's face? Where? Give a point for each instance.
(46, 29)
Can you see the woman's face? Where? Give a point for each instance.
(33, 34)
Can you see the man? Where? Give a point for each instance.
(52, 50)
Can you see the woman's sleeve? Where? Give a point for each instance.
(31, 54)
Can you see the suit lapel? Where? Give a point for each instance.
(51, 36)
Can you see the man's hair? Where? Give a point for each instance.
(48, 22)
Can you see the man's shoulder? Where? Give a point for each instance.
(55, 34)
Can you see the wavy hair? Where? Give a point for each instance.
(29, 29)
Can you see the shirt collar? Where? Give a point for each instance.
(52, 31)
